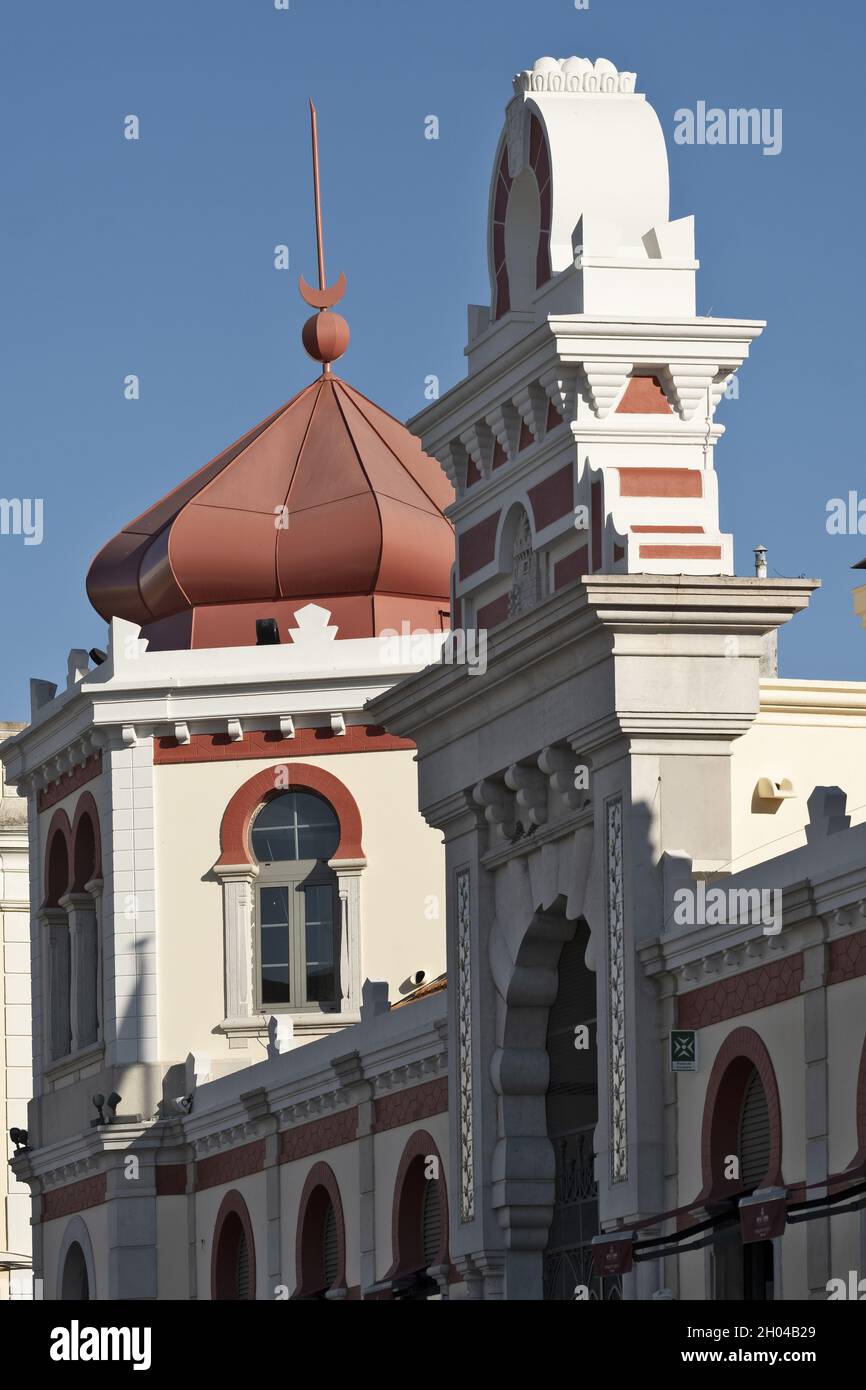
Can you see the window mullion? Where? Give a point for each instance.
(299, 953)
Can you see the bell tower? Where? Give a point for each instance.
(586, 421)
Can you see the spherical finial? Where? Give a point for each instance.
(325, 336)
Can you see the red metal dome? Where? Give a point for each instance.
(328, 500)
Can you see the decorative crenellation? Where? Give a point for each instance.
(228, 1138)
(70, 1172)
(410, 1073)
(574, 77)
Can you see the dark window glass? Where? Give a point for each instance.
(319, 927)
(275, 945)
(295, 825)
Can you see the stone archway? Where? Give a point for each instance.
(76, 1271)
(539, 901)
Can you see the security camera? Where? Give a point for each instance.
(419, 977)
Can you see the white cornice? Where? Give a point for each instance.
(644, 611)
(822, 702)
(574, 338)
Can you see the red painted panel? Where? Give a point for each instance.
(741, 994)
(415, 1103)
(75, 1196)
(571, 567)
(553, 498)
(269, 743)
(644, 395)
(477, 546)
(492, 614)
(595, 501)
(660, 482)
(230, 1165)
(70, 782)
(681, 552)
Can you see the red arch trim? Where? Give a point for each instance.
(234, 829)
(320, 1179)
(85, 806)
(232, 1204)
(405, 1212)
(742, 1049)
(59, 825)
(539, 163)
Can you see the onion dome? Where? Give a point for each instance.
(329, 500)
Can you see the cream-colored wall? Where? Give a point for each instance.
(405, 865)
(813, 751)
(172, 1264)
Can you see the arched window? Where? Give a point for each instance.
(75, 1286)
(233, 1276)
(320, 1252)
(420, 1220)
(293, 837)
(742, 1121)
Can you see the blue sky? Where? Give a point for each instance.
(155, 257)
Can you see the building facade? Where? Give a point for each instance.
(15, 1076)
(607, 1043)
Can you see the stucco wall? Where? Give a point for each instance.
(405, 866)
(815, 750)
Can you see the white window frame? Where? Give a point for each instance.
(243, 1016)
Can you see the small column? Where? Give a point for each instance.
(238, 881)
(84, 968)
(348, 873)
(56, 937)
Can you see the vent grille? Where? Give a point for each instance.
(754, 1144)
(330, 1251)
(431, 1223)
(242, 1269)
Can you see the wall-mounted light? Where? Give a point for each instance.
(774, 789)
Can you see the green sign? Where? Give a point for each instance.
(684, 1050)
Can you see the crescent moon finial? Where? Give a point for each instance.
(324, 298)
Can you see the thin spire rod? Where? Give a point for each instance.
(320, 246)
(325, 336)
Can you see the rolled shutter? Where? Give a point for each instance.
(754, 1145)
